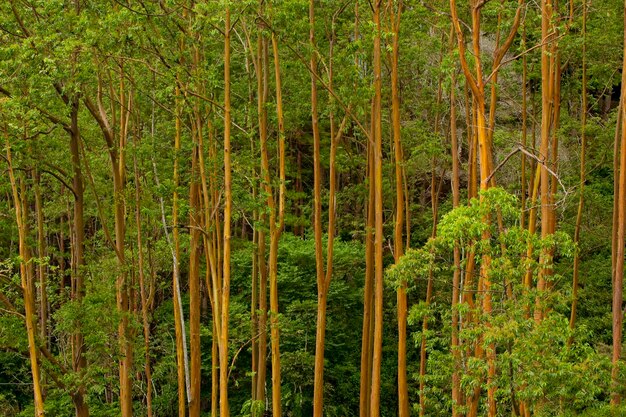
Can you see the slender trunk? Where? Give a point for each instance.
(524, 132)
(224, 409)
(403, 390)
(254, 300)
(434, 194)
(179, 325)
(194, 276)
(556, 116)
(581, 199)
(618, 280)
(532, 227)
(472, 164)
(278, 230)
(556, 100)
(281, 135)
(320, 335)
(145, 297)
(379, 236)
(616, 143)
(544, 150)
(122, 285)
(274, 229)
(323, 277)
(262, 93)
(215, 383)
(456, 277)
(368, 296)
(78, 246)
(434, 198)
(299, 228)
(116, 148)
(476, 83)
(61, 241)
(485, 171)
(254, 287)
(41, 268)
(26, 277)
(210, 239)
(365, 378)
(262, 319)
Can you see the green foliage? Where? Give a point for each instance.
(53, 52)
(534, 361)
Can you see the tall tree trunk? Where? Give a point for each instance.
(262, 319)
(254, 297)
(547, 77)
(524, 131)
(224, 409)
(378, 206)
(281, 135)
(476, 82)
(262, 94)
(211, 243)
(276, 227)
(182, 368)
(618, 280)
(194, 274)
(434, 198)
(616, 144)
(254, 302)
(26, 276)
(472, 162)
(403, 390)
(122, 284)
(581, 198)
(317, 222)
(116, 149)
(78, 246)
(323, 277)
(145, 293)
(456, 277)
(368, 295)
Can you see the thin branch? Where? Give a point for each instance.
(531, 155)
